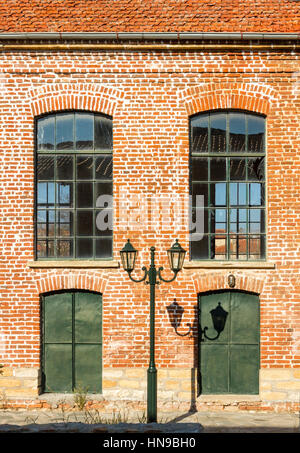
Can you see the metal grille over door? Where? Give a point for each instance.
(72, 342)
(229, 362)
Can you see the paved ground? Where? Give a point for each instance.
(205, 422)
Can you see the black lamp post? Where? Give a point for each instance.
(176, 255)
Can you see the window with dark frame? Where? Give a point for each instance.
(227, 186)
(73, 186)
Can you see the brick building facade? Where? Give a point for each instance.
(160, 96)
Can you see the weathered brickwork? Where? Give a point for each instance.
(150, 96)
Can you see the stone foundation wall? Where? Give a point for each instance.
(279, 390)
(131, 383)
(19, 383)
(280, 384)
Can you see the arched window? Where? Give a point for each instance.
(73, 186)
(227, 186)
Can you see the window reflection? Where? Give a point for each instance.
(200, 134)
(64, 131)
(233, 185)
(218, 132)
(84, 126)
(72, 173)
(45, 133)
(256, 133)
(237, 132)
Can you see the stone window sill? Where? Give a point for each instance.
(229, 265)
(74, 264)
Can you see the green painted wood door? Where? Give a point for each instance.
(230, 363)
(72, 341)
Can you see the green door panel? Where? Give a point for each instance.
(58, 367)
(209, 303)
(58, 318)
(244, 369)
(245, 318)
(214, 370)
(87, 318)
(72, 341)
(88, 368)
(229, 363)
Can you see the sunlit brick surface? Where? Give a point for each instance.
(150, 96)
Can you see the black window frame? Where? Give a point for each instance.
(75, 153)
(227, 154)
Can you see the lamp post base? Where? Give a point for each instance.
(152, 395)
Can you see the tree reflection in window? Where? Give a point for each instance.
(74, 168)
(228, 169)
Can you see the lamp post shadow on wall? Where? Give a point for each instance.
(176, 255)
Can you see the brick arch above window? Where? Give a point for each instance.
(92, 97)
(251, 97)
(219, 281)
(71, 281)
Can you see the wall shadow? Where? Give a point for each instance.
(175, 312)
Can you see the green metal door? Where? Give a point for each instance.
(229, 363)
(72, 341)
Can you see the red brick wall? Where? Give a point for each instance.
(150, 96)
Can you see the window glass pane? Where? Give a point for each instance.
(65, 167)
(218, 194)
(237, 169)
(45, 133)
(256, 169)
(199, 169)
(199, 249)
(65, 249)
(104, 222)
(84, 195)
(58, 182)
(45, 249)
(103, 167)
(84, 167)
(45, 193)
(41, 215)
(219, 221)
(104, 248)
(64, 131)
(65, 223)
(237, 194)
(84, 248)
(256, 196)
(103, 133)
(237, 132)
(85, 223)
(246, 226)
(64, 194)
(242, 194)
(256, 132)
(45, 168)
(84, 127)
(242, 247)
(218, 169)
(41, 230)
(200, 190)
(199, 223)
(257, 218)
(218, 132)
(218, 247)
(103, 188)
(199, 130)
(233, 246)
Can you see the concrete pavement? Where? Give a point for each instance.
(58, 420)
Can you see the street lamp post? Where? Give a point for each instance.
(176, 255)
